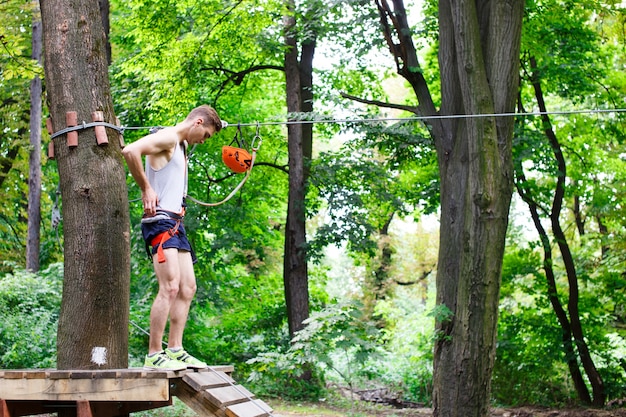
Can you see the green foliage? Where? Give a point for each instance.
(385, 172)
(530, 362)
(336, 343)
(29, 309)
(16, 71)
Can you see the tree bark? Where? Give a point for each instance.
(34, 159)
(93, 322)
(557, 306)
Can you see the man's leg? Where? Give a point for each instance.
(168, 275)
(179, 310)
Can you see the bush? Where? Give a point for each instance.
(29, 313)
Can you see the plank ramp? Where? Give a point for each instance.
(117, 392)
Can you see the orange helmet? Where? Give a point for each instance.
(237, 159)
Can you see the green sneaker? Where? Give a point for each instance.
(162, 362)
(184, 357)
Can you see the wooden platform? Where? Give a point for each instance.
(117, 392)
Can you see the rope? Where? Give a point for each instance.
(420, 118)
(243, 181)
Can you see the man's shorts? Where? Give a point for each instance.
(178, 240)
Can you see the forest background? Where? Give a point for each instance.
(371, 204)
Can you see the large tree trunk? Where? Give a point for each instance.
(295, 264)
(480, 55)
(93, 322)
(34, 160)
(479, 43)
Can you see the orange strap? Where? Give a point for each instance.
(161, 238)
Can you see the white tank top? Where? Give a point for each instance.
(170, 182)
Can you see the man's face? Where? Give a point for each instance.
(199, 132)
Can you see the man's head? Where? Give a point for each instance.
(201, 123)
(208, 115)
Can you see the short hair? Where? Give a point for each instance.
(208, 114)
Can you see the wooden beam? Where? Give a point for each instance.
(112, 385)
(195, 400)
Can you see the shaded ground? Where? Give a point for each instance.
(362, 410)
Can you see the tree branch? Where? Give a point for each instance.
(237, 76)
(412, 109)
(417, 281)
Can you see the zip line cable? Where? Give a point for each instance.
(434, 117)
(300, 119)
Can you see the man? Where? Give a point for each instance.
(163, 185)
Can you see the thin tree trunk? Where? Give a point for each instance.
(34, 160)
(93, 322)
(597, 384)
(295, 262)
(561, 315)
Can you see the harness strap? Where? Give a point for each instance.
(163, 237)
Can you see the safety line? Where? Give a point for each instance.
(434, 117)
(302, 120)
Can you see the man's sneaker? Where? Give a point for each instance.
(162, 362)
(184, 357)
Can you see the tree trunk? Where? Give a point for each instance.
(561, 315)
(479, 43)
(481, 48)
(93, 322)
(34, 160)
(597, 384)
(295, 262)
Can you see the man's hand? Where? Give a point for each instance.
(150, 202)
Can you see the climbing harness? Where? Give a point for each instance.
(163, 237)
(238, 162)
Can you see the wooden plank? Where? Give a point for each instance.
(36, 374)
(14, 374)
(59, 374)
(196, 400)
(255, 408)
(95, 389)
(203, 380)
(83, 374)
(229, 369)
(225, 396)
